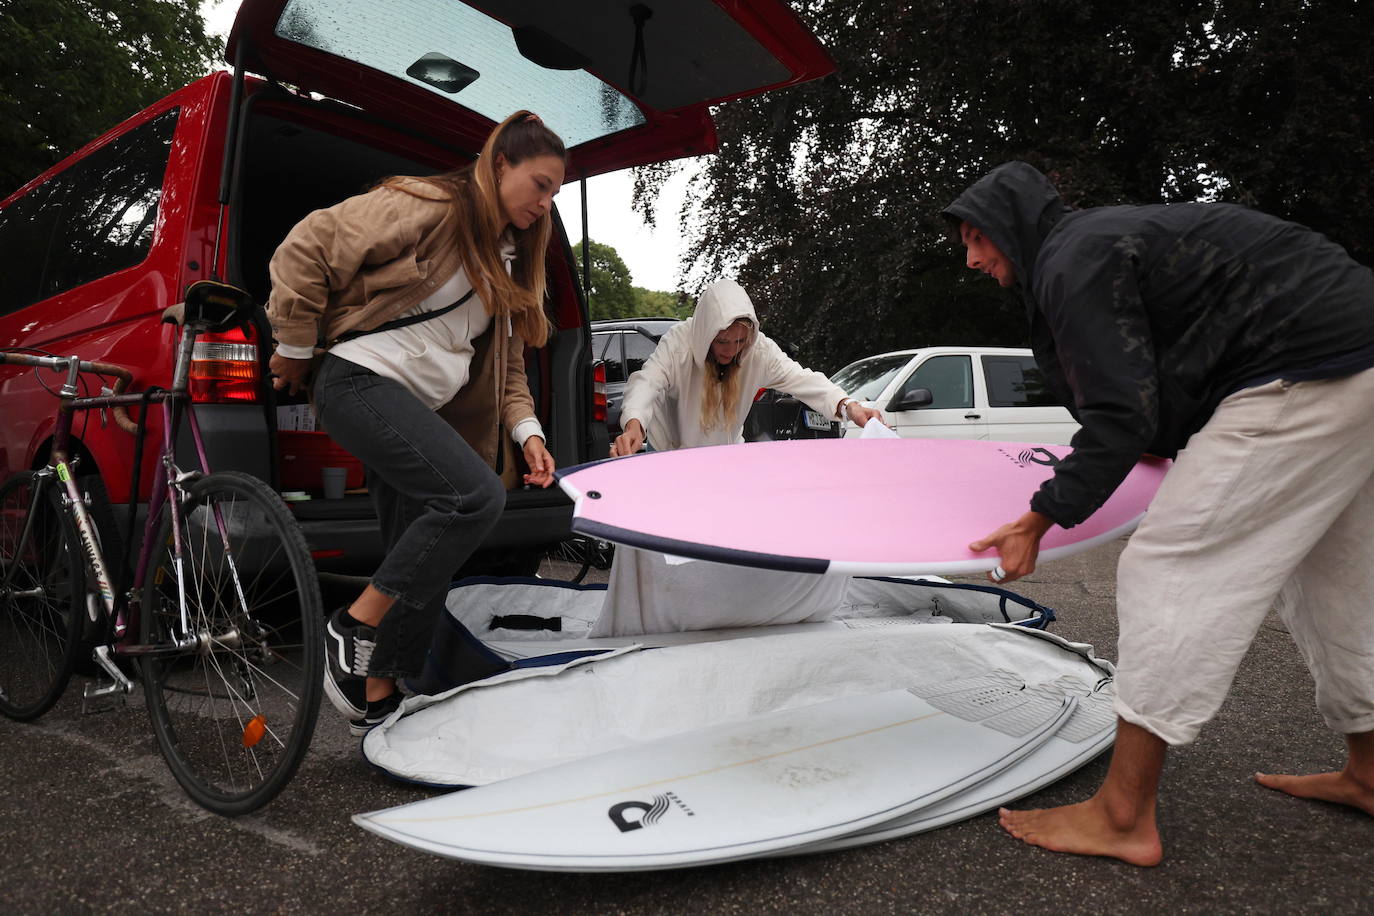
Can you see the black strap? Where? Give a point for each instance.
(526, 622)
(395, 323)
(639, 63)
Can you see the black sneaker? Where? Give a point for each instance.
(377, 711)
(347, 651)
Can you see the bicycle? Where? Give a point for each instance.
(221, 613)
(572, 558)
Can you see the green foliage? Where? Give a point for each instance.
(73, 69)
(824, 199)
(652, 303)
(612, 295)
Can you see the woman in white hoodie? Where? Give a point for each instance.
(697, 386)
(695, 390)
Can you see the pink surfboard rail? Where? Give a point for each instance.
(869, 507)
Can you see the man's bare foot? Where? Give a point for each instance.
(1085, 829)
(1341, 788)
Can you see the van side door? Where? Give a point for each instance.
(952, 411)
(1020, 407)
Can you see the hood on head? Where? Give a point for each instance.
(1014, 205)
(719, 306)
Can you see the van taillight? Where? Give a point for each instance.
(224, 367)
(599, 393)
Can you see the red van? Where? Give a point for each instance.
(206, 182)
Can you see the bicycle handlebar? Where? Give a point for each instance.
(121, 376)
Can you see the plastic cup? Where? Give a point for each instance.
(334, 481)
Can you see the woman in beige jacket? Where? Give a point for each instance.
(423, 293)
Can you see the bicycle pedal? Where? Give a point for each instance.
(95, 697)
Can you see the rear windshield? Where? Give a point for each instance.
(460, 54)
(867, 378)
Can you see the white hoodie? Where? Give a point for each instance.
(665, 395)
(647, 594)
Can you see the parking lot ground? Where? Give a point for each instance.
(90, 821)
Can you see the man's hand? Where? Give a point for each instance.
(1018, 545)
(290, 374)
(629, 441)
(540, 462)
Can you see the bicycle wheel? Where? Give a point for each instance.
(566, 561)
(42, 607)
(571, 559)
(233, 714)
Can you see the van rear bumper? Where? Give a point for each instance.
(345, 536)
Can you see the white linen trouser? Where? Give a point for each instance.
(1270, 505)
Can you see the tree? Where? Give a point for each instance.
(824, 199)
(72, 69)
(612, 294)
(652, 303)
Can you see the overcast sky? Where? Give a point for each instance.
(651, 255)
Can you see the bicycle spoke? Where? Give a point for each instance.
(41, 605)
(234, 714)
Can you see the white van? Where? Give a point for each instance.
(959, 393)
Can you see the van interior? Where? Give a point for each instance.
(297, 155)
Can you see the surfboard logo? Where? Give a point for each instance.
(650, 813)
(1036, 455)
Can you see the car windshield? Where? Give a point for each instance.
(867, 378)
(413, 40)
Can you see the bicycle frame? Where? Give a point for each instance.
(123, 609)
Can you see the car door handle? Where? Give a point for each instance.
(973, 416)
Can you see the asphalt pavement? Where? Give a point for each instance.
(92, 822)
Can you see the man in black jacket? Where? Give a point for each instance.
(1242, 345)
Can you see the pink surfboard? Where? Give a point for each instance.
(868, 507)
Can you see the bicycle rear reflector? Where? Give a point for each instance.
(254, 730)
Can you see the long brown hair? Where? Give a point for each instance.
(480, 223)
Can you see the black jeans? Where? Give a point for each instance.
(435, 497)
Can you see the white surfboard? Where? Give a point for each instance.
(1087, 732)
(741, 789)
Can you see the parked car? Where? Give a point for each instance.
(776, 415)
(622, 345)
(959, 393)
(206, 182)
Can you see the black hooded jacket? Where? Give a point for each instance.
(1143, 318)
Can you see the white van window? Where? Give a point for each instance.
(949, 379)
(867, 378)
(1015, 381)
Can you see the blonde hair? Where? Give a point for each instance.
(720, 389)
(480, 224)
